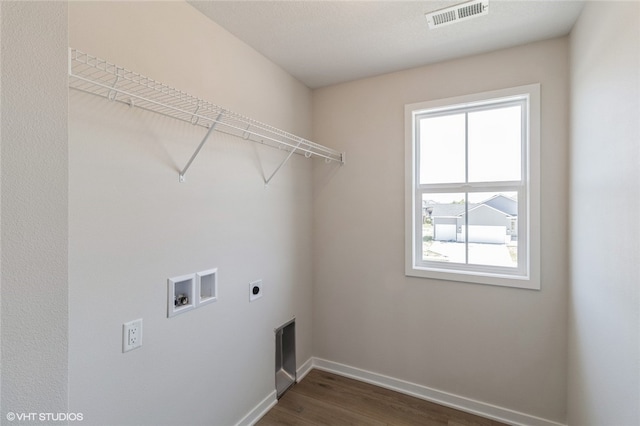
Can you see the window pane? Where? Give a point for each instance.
(495, 144)
(442, 240)
(442, 141)
(492, 229)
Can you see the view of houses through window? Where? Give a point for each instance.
(477, 228)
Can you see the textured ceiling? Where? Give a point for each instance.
(328, 42)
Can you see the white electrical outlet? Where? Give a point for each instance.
(131, 335)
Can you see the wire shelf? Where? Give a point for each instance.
(96, 76)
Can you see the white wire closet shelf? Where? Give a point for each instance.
(96, 76)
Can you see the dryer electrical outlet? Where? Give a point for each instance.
(255, 290)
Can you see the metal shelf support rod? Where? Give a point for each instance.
(266, 182)
(197, 151)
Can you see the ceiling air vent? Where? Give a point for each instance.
(457, 13)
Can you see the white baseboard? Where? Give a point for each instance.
(468, 405)
(272, 399)
(304, 369)
(461, 403)
(259, 410)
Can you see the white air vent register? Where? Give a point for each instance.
(458, 13)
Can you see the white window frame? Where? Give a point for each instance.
(527, 274)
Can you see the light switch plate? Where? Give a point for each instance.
(131, 335)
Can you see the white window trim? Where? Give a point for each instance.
(528, 278)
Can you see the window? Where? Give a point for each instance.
(472, 188)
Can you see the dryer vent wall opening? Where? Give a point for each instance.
(285, 357)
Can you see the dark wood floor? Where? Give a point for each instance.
(327, 399)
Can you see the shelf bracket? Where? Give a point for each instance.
(266, 182)
(197, 151)
(113, 93)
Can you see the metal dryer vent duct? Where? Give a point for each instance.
(458, 13)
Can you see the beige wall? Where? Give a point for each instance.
(132, 225)
(34, 207)
(497, 345)
(604, 310)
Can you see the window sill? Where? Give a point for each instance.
(514, 281)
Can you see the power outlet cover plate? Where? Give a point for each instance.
(131, 335)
